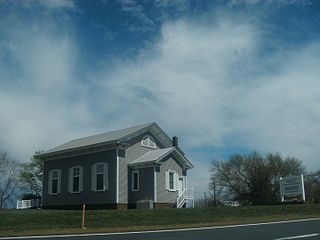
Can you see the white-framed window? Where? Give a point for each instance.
(54, 186)
(99, 177)
(148, 142)
(135, 180)
(76, 179)
(171, 180)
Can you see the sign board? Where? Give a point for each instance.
(292, 186)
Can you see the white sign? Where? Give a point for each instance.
(292, 186)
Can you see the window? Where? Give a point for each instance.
(135, 180)
(171, 180)
(148, 142)
(100, 177)
(54, 181)
(75, 179)
(99, 180)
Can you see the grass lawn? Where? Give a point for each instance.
(37, 221)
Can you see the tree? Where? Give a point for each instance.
(9, 180)
(31, 175)
(312, 186)
(279, 167)
(3, 162)
(252, 177)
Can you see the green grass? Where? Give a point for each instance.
(36, 221)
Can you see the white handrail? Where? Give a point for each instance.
(186, 194)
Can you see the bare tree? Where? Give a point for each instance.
(31, 175)
(3, 162)
(9, 180)
(312, 186)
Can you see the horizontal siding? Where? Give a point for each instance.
(163, 195)
(123, 180)
(132, 152)
(146, 186)
(87, 196)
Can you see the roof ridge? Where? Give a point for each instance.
(114, 135)
(108, 132)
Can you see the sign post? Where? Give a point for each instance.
(83, 216)
(292, 186)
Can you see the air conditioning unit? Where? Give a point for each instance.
(145, 204)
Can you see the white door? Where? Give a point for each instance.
(180, 185)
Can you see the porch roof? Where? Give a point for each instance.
(156, 157)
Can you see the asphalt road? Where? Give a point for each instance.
(304, 229)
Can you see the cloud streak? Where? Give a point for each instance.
(41, 99)
(193, 83)
(207, 79)
(212, 85)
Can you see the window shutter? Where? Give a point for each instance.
(70, 180)
(59, 181)
(106, 177)
(175, 181)
(81, 179)
(167, 179)
(93, 178)
(50, 182)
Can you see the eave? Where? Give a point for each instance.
(101, 147)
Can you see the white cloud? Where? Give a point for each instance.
(206, 81)
(274, 2)
(184, 82)
(285, 107)
(66, 4)
(142, 22)
(41, 100)
(48, 4)
(199, 176)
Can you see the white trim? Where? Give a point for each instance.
(58, 178)
(166, 179)
(94, 177)
(117, 177)
(81, 179)
(150, 142)
(174, 189)
(101, 147)
(155, 184)
(161, 231)
(71, 179)
(180, 191)
(132, 181)
(175, 181)
(185, 177)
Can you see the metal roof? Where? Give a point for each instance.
(156, 156)
(152, 156)
(108, 137)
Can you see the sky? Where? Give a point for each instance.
(225, 76)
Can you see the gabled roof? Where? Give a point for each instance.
(113, 137)
(156, 157)
(152, 156)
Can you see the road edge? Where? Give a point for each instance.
(159, 231)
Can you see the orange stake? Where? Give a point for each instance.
(83, 216)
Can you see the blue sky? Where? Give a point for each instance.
(224, 76)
